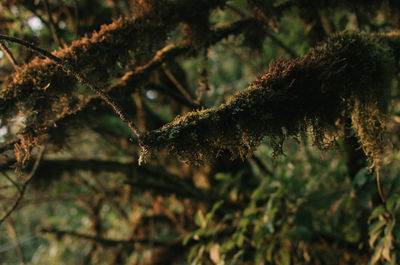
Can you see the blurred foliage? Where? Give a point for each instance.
(89, 202)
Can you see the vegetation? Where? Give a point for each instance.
(199, 132)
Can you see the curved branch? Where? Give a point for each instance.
(69, 69)
(350, 74)
(131, 78)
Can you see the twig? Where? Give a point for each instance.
(271, 36)
(177, 84)
(29, 7)
(69, 69)
(76, 18)
(103, 241)
(9, 55)
(24, 186)
(378, 181)
(169, 51)
(50, 199)
(261, 165)
(11, 180)
(282, 45)
(235, 10)
(14, 236)
(52, 25)
(141, 115)
(103, 191)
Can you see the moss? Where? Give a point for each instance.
(347, 76)
(44, 93)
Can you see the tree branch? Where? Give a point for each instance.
(25, 184)
(309, 91)
(135, 77)
(69, 69)
(112, 44)
(106, 242)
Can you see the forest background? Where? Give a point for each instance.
(199, 132)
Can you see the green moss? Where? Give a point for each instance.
(349, 76)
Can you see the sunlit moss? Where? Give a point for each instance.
(348, 76)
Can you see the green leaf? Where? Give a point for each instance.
(199, 219)
(391, 202)
(284, 257)
(236, 257)
(387, 246)
(240, 240)
(378, 211)
(300, 233)
(375, 231)
(377, 255)
(360, 179)
(268, 228)
(304, 218)
(188, 237)
(215, 207)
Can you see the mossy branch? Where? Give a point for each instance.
(129, 79)
(69, 69)
(348, 75)
(45, 94)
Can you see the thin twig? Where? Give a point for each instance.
(235, 10)
(52, 25)
(27, 6)
(69, 69)
(282, 45)
(76, 18)
(261, 165)
(101, 240)
(51, 199)
(110, 200)
(169, 51)
(24, 186)
(177, 84)
(9, 55)
(14, 236)
(11, 180)
(378, 181)
(141, 115)
(270, 35)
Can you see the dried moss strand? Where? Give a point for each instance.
(69, 69)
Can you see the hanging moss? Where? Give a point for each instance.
(347, 76)
(45, 93)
